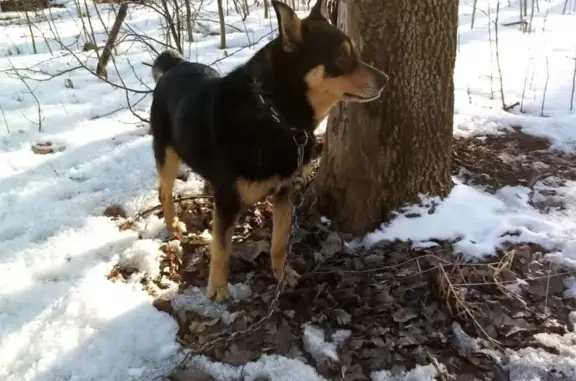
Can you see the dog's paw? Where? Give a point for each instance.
(176, 226)
(218, 293)
(291, 276)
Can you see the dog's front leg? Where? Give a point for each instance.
(282, 224)
(225, 216)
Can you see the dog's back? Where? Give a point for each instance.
(180, 84)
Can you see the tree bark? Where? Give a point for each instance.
(378, 156)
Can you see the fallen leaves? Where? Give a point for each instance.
(191, 374)
(45, 148)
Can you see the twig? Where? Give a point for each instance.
(38, 106)
(177, 200)
(545, 87)
(5, 120)
(525, 82)
(491, 54)
(573, 86)
(498, 56)
(448, 291)
(508, 108)
(434, 362)
(547, 287)
(531, 23)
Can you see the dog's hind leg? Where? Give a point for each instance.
(225, 216)
(281, 226)
(168, 164)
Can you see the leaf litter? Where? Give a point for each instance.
(391, 312)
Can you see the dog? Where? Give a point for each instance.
(238, 131)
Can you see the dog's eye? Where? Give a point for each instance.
(344, 62)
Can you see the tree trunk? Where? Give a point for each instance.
(189, 29)
(222, 25)
(378, 156)
(107, 52)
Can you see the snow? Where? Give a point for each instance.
(195, 299)
(481, 222)
(314, 340)
(419, 373)
(275, 368)
(62, 319)
(537, 364)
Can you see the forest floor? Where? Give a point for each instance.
(392, 306)
(480, 285)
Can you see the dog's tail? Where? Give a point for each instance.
(164, 62)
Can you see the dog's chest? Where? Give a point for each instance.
(252, 191)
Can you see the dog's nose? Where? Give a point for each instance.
(382, 79)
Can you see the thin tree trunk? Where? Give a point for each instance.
(222, 25)
(473, 14)
(531, 16)
(189, 28)
(381, 155)
(107, 51)
(29, 22)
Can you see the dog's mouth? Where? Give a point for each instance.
(359, 98)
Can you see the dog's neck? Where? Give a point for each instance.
(272, 88)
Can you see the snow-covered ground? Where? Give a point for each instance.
(62, 319)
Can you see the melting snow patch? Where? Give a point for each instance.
(142, 256)
(195, 299)
(274, 368)
(420, 373)
(316, 345)
(535, 364)
(479, 222)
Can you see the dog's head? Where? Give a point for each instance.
(326, 58)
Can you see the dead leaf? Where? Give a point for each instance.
(191, 374)
(163, 305)
(115, 211)
(45, 148)
(332, 245)
(236, 357)
(249, 251)
(354, 373)
(404, 315)
(378, 341)
(284, 338)
(289, 314)
(198, 327)
(342, 317)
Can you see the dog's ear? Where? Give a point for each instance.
(316, 11)
(289, 26)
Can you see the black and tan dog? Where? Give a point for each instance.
(232, 130)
